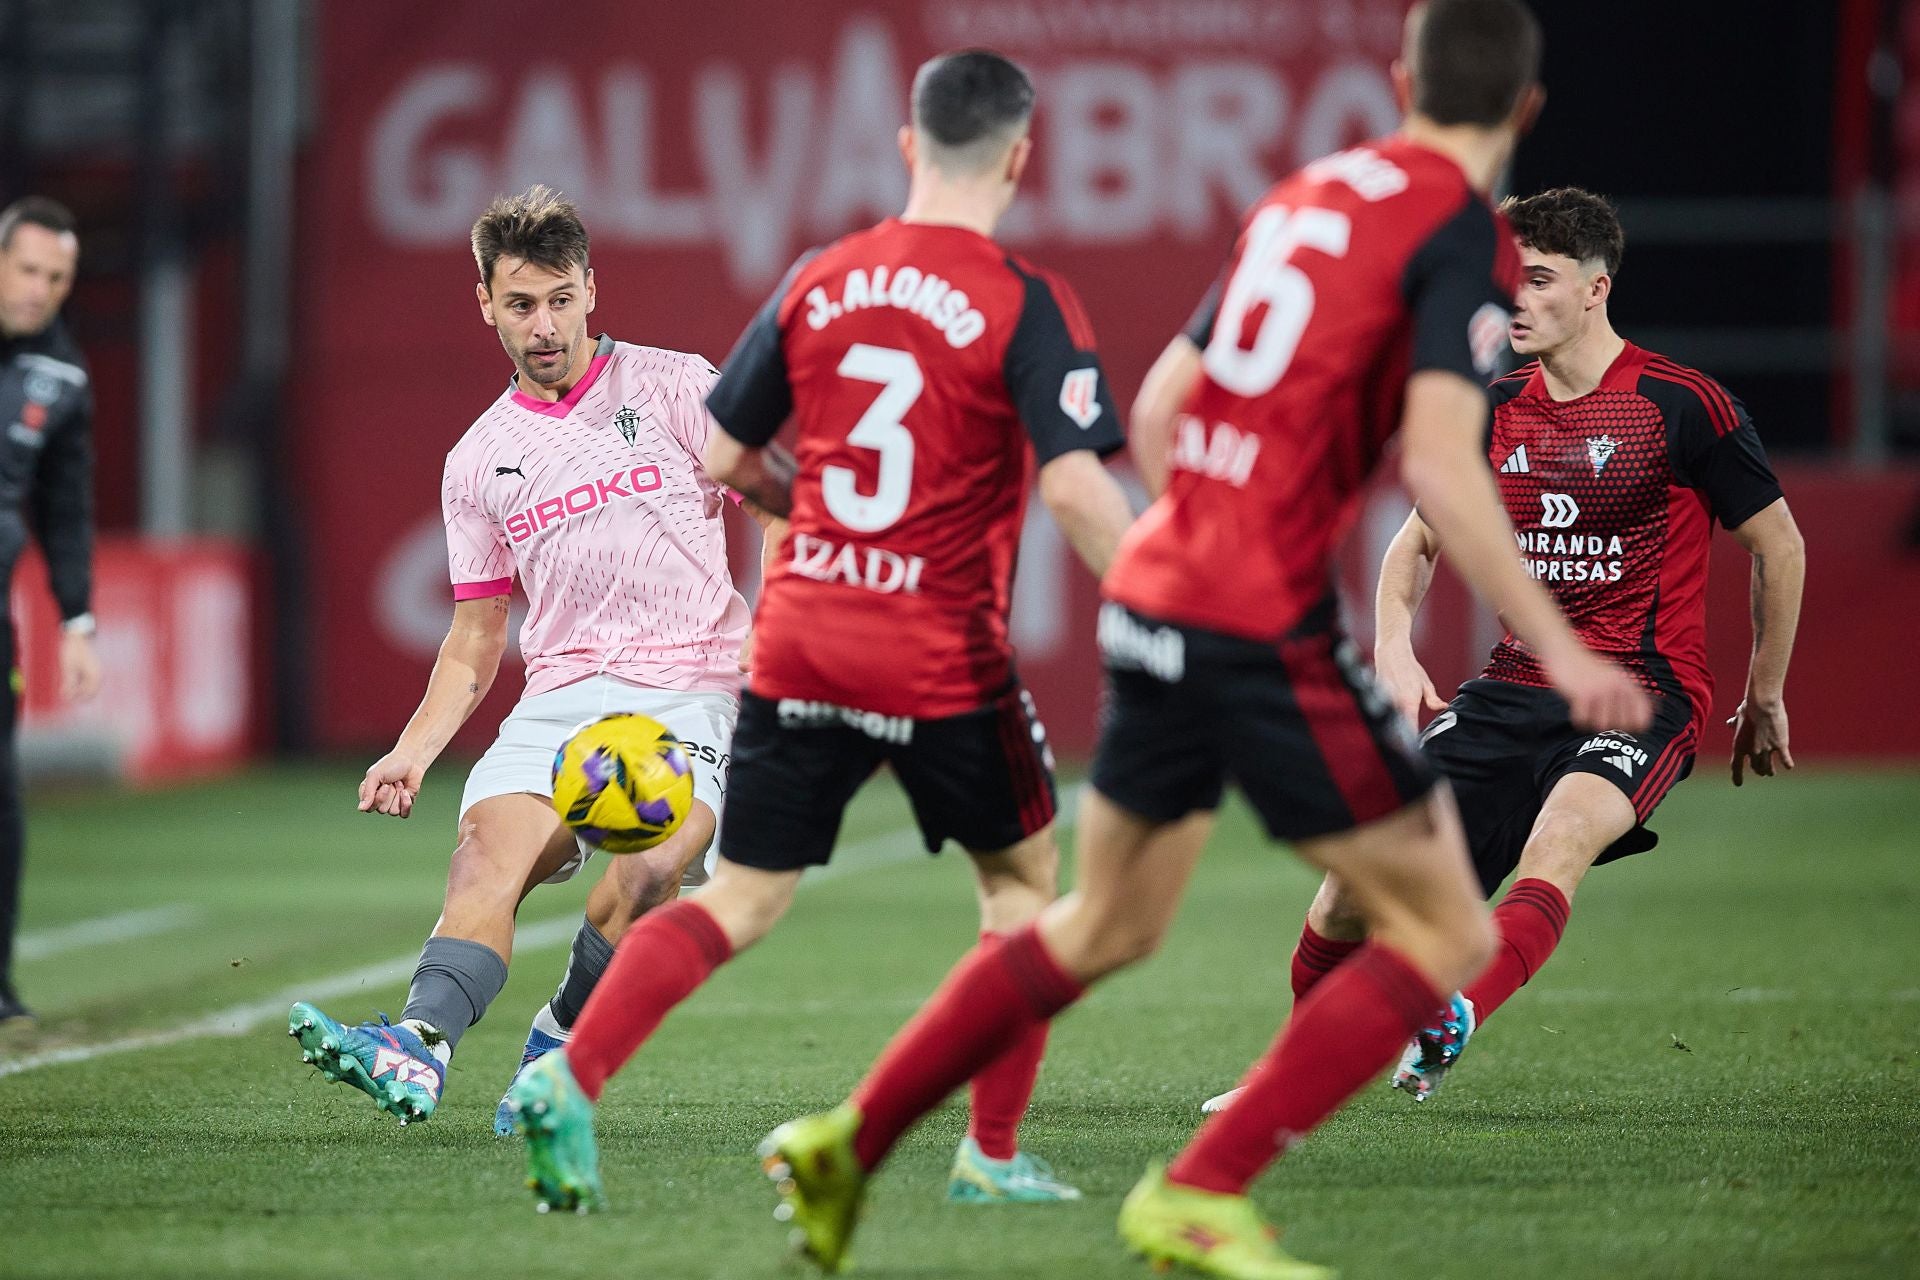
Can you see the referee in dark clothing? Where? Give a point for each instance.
(46, 480)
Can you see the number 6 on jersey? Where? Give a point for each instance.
(1267, 274)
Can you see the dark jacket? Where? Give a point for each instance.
(46, 461)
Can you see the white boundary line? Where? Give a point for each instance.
(899, 845)
(38, 944)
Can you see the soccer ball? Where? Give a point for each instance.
(622, 783)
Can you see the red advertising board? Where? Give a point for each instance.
(708, 146)
(176, 659)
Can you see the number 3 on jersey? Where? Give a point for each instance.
(880, 430)
(1266, 274)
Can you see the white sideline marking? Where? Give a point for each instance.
(898, 845)
(38, 944)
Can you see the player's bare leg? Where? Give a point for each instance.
(1015, 885)
(1582, 816)
(506, 845)
(632, 885)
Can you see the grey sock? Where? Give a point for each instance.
(592, 953)
(453, 984)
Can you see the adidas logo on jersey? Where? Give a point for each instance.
(1516, 463)
(1622, 763)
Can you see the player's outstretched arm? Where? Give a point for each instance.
(763, 474)
(1444, 468)
(1405, 573)
(1779, 572)
(469, 659)
(1088, 504)
(1164, 391)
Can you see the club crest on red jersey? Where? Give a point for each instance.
(1599, 450)
(1080, 396)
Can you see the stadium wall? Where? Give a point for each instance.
(710, 147)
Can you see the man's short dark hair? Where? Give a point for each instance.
(37, 211)
(1472, 59)
(1570, 222)
(539, 225)
(972, 101)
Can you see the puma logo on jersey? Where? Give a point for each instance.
(1516, 463)
(1557, 511)
(1080, 396)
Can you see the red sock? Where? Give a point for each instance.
(1315, 957)
(1340, 1037)
(1003, 1087)
(993, 998)
(1529, 920)
(662, 959)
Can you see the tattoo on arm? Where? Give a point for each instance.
(1757, 599)
(474, 687)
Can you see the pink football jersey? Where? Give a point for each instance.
(599, 504)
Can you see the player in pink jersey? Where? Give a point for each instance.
(584, 480)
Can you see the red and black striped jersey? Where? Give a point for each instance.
(1349, 276)
(925, 369)
(1613, 496)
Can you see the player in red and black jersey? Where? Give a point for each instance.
(1613, 464)
(927, 374)
(1367, 294)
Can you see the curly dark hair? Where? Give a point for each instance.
(1568, 221)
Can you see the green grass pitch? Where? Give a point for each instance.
(1717, 1075)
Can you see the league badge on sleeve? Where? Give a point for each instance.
(1487, 337)
(1080, 396)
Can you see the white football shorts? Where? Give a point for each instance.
(521, 758)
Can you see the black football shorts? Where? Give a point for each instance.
(983, 779)
(1299, 726)
(1504, 746)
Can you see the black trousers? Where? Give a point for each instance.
(12, 831)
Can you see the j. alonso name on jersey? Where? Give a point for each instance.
(908, 289)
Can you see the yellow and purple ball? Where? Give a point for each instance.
(623, 783)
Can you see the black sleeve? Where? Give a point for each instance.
(1054, 378)
(753, 398)
(1199, 328)
(63, 507)
(1715, 449)
(1459, 314)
